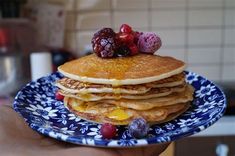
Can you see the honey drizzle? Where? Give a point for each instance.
(116, 67)
(118, 114)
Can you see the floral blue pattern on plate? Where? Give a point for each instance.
(37, 105)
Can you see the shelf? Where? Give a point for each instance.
(14, 20)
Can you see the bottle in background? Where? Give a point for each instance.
(4, 40)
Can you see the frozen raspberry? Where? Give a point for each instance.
(58, 96)
(104, 43)
(149, 42)
(108, 131)
(133, 49)
(122, 51)
(125, 38)
(125, 28)
(138, 128)
(136, 36)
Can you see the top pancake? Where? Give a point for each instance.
(138, 69)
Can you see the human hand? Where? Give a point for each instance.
(16, 138)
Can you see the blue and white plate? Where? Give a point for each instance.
(37, 105)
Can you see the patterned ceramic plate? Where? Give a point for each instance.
(37, 105)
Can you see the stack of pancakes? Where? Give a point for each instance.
(117, 90)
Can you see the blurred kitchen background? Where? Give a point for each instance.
(200, 32)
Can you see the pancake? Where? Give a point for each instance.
(153, 93)
(118, 90)
(107, 113)
(74, 86)
(145, 104)
(138, 69)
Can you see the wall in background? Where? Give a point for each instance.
(200, 32)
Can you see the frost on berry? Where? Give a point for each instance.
(104, 43)
(138, 128)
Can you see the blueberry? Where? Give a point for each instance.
(138, 128)
(122, 51)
